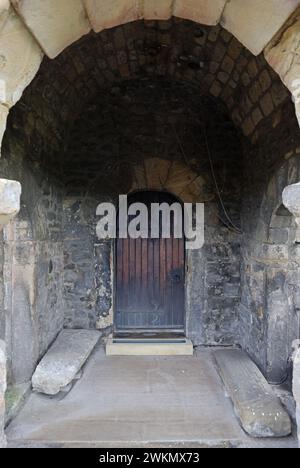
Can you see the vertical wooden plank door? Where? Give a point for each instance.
(150, 279)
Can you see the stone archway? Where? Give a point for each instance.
(172, 176)
(30, 28)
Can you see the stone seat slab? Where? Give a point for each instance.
(258, 408)
(65, 358)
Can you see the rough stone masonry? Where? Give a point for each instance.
(296, 388)
(10, 192)
(246, 290)
(2, 392)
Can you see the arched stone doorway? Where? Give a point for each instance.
(243, 119)
(172, 116)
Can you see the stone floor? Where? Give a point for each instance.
(137, 401)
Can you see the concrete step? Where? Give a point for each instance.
(149, 347)
(259, 410)
(64, 360)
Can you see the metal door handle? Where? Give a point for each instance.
(176, 278)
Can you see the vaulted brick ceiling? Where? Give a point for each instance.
(210, 59)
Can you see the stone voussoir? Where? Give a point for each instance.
(283, 56)
(104, 15)
(64, 360)
(4, 11)
(55, 24)
(206, 12)
(256, 22)
(20, 58)
(260, 411)
(158, 9)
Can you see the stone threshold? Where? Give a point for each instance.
(149, 347)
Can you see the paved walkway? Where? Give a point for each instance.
(137, 401)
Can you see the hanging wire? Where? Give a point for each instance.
(229, 223)
(234, 226)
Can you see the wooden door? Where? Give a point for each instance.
(150, 293)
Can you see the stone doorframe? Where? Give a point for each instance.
(291, 199)
(10, 193)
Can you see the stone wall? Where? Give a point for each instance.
(2, 392)
(296, 388)
(270, 303)
(10, 192)
(152, 135)
(213, 286)
(88, 281)
(126, 109)
(32, 248)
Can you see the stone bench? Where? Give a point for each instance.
(64, 360)
(260, 411)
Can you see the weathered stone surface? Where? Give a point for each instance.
(157, 9)
(175, 177)
(3, 119)
(259, 410)
(255, 22)
(4, 11)
(284, 58)
(15, 397)
(2, 392)
(56, 24)
(298, 423)
(64, 360)
(296, 388)
(205, 12)
(296, 382)
(20, 58)
(146, 132)
(10, 193)
(291, 199)
(103, 15)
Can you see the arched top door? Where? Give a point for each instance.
(150, 293)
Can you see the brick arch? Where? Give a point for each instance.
(174, 177)
(30, 28)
